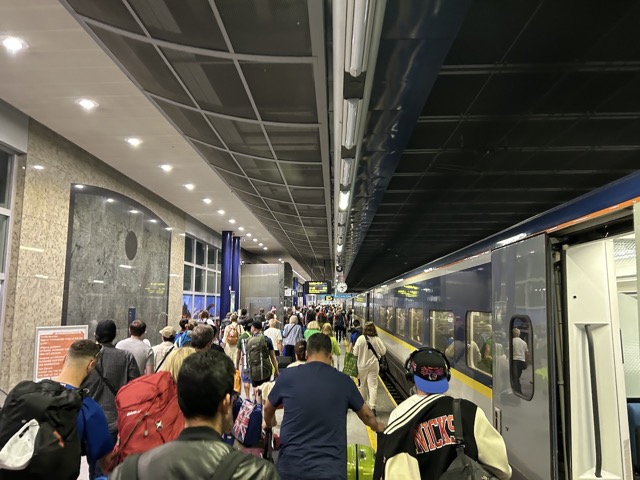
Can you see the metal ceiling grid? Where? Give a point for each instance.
(250, 100)
(517, 122)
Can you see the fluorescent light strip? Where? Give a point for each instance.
(359, 42)
(343, 202)
(351, 107)
(345, 175)
(126, 266)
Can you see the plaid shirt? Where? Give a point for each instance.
(118, 367)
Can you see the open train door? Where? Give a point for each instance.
(598, 423)
(524, 405)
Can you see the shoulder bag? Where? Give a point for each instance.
(382, 359)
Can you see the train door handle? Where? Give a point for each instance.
(497, 419)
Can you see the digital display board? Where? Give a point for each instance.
(317, 288)
(408, 291)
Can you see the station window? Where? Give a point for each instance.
(441, 322)
(400, 321)
(201, 283)
(520, 358)
(480, 345)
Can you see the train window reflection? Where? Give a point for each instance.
(480, 346)
(520, 362)
(416, 321)
(441, 322)
(381, 316)
(400, 321)
(389, 323)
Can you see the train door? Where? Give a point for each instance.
(597, 303)
(523, 403)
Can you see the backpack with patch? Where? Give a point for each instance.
(148, 415)
(258, 359)
(232, 335)
(56, 445)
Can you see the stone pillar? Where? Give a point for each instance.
(225, 274)
(235, 271)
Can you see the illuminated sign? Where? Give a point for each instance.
(408, 291)
(317, 288)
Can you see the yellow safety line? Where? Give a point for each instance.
(388, 392)
(461, 377)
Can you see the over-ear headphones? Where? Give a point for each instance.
(409, 373)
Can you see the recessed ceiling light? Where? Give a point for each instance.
(265, 248)
(248, 234)
(189, 186)
(133, 141)
(153, 220)
(241, 229)
(14, 44)
(134, 211)
(38, 167)
(166, 167)
(279, 259)
(87, 104)
(125, 266)
(231, 220)
(260, 244)
(79, 187)
(168, 229)
(110, 200)
(255, 239)
(207, 201)
(221, 212)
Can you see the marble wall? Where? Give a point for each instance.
(41, 212)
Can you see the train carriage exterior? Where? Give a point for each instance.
(565, 283)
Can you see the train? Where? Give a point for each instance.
(564, 283)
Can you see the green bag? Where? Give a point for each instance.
(350, 365)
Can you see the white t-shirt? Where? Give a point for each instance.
(275, 335)
(366, 358)
(520, 349)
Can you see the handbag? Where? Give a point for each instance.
(382, 359)
(350, 365)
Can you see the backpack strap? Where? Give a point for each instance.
(130, 467)
(373, 349)
(457, 421)
(227, 467)
(98, 369)
(164, 358)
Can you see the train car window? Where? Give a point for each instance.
(381, 316)
(389, 320)
(480, 345)
(416, 322)
(400, 321)
(441, 322)
(521, 358)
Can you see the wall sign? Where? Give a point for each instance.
(51, 347)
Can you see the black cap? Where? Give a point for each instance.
(105, 331)
(257, 325)
(430, 371)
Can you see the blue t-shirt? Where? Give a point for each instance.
(313, 436)
(93, 429)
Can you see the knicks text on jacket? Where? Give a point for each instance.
(433, 434)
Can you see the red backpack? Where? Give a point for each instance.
(148, 415)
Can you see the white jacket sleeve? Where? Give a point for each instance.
(380, 347)
(402, 466)
(492, 451)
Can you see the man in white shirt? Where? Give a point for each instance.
(162, 351)
(519, 354)
(275, 335)
(140, 350)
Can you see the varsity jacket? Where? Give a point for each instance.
(419, 441)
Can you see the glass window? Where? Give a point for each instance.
(4, 225)
(218, 260)
(187, 305)
(218, 283)
(199, 282)
(388, 322)
(211, 258)
(480, 345)
(211, 282)
(5, 179)
(382, 315)
(198, 305)
(441, 322)
(416, 322)
(188, 250)
(200, 249)
(520, 364)
(400, 321)
(187, 283)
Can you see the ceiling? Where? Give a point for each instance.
(540, 111)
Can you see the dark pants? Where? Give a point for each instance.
(341, 332)
(517, 368)
(289, 351)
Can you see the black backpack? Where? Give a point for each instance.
(339, 320)
(57, 447)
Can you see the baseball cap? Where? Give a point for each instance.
(106, 331)
(168, 332)
(430, 371)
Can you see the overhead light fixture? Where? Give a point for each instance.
(241, 229)
(38, 167)
(260, 244)
(345, 174)
(400, 280)
(98, 281)
(153, 220)
(14, 44)
(110, 200)
(248, 234)
(87, 103)
(168, 229)
(79, 187)
(232, 221)
(207, 201)
(265, 248)
(189, 186)
(133, 141)
(357, 51)
(126, 266)
(342, 218)
(221, 212)
(343, 201)
(166, 167)
(339, 248)
(279, 259)
(350, 122)
(255, 239)
(134, 211)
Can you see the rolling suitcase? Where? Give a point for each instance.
(360, 462)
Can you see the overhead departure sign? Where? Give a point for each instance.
(317, 288)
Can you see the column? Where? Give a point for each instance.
(295, 289)
(225, 274)
(235, 271)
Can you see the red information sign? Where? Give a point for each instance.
(52, 344)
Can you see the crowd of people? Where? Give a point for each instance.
(165, 411)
